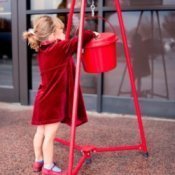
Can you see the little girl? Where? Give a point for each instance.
(54, 99)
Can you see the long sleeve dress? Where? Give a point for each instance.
(54, 99)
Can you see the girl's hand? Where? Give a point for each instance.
(96, 34)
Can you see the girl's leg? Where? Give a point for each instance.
(38, 142)
(48, 144)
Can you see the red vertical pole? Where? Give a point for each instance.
(128, 61)
(77, 81)
(69, 23)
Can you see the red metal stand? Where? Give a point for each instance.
(88, 150)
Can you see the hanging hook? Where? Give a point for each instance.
(92, 8)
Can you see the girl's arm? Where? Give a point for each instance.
(70, 46)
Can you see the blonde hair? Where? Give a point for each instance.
(44, 26)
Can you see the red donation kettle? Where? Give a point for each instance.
(100, 54)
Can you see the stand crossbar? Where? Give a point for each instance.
(91, 148)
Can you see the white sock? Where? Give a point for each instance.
(40, 161)
(55, 168)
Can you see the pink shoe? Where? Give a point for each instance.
(50, 172)
(37, 166)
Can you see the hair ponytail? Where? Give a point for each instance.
(43, 27)
(32, 39)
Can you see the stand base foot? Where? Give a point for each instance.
(146, 155)
(88, 161)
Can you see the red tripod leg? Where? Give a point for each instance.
(77, 81)
(131, 75)
(69, 23)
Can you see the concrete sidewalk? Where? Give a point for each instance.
(16, 152)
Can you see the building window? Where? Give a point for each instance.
(55, 4)
(140, 3)
(151, 43)
(152, 48)
(6, 60)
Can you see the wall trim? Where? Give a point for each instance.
(149, 107)
(125, 105)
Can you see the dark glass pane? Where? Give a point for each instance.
(47, 4)
(152, 56)
(56, 4)
(88, 81)
(6, 68)
(111, 3)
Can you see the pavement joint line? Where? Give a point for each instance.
(19, 107)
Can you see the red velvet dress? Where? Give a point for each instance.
(54, 99)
